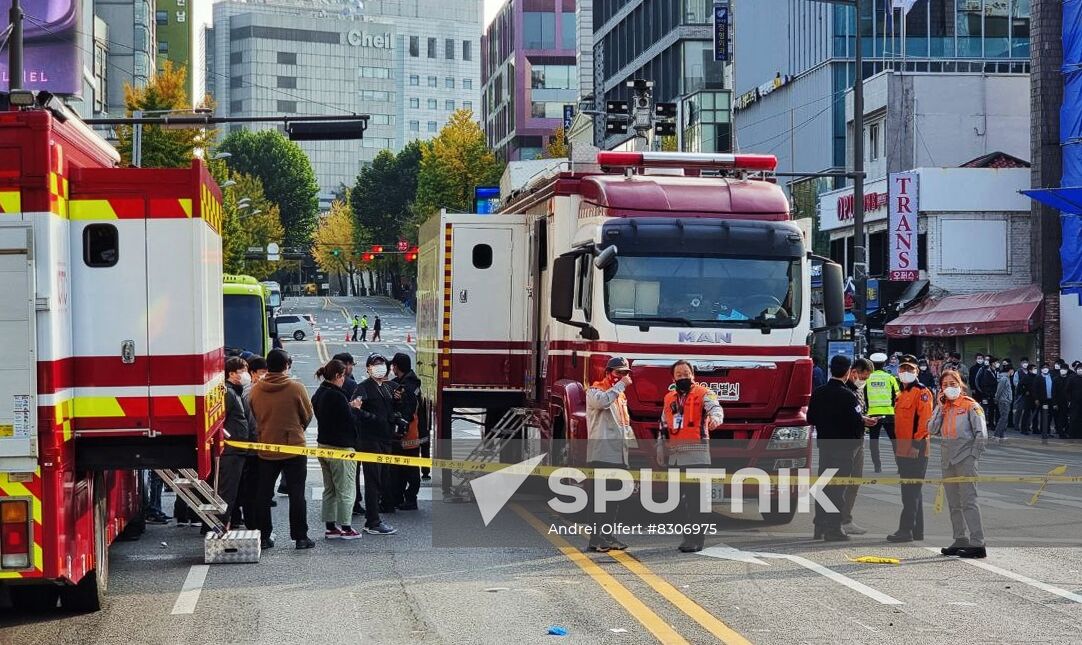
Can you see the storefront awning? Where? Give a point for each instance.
(1068, 200)
(1002, 312)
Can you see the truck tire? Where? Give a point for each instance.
(89, 594)
(298, 335)
(34, 598)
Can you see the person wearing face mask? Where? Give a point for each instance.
(924, 375)
(1059, 397)
(1040, 392)
(892, 366)
(1003, 399)
(376, 403)
(233, 460)
(688, 415)
(608, 432)
(912, 411)
(985, 385)
(960, 421)
(283, 411)
(1074, 400)
(880, 392)
(971, 375)
(406, 480)
(337, 429)
(858, 378)
(1023, 403)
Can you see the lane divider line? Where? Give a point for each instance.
(621, 594)
(840, 578)
(708, 621)
(1017, 577)
(190, 590)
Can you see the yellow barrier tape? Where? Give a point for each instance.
(1055, 472)
(655, 475)
(939, 495)
(875, 559)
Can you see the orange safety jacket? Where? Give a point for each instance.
(619, 408)
(690, 428)
(912, 411)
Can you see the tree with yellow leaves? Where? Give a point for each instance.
(161, 148)
(250, 220)
(452, 165)
(334, 248)
(557, 147)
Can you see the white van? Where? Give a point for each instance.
(294, 326)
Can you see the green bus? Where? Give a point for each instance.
(245, 314)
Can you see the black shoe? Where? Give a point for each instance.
(688, 547)
(599, 547)
(900, 537)
(835, 535)
(955, 548)
(918, 537)
(426, 478)
(617, 545)
(408, 506)
(266, 543)
(305, 544)
(878, 469)
(358, 510)
(274, 503)
(973, 552)
(818, 535)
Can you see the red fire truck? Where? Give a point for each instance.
(111, 315)
(651, 256)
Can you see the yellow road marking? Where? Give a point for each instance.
(637, 608)
(720, 630)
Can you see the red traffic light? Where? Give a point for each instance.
(376, 248)
(367, 257)
(403, 245)
(411, 257)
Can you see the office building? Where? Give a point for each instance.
(793, 62)
(669, 42)
(528, 75)
(409, 64)
(175, 33)
(131, 49)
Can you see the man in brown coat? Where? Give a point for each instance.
(282, 410)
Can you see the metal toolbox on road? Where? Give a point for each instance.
(234, 546)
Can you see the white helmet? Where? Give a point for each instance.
(878, 357)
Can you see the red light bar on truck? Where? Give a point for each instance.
(686, 160)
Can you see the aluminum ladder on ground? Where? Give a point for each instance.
(197, 494)
(507, 429)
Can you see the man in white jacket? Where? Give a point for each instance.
(608, 428)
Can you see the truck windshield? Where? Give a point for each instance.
(244, 320)
(714, 291)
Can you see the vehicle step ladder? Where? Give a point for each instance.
(507, 429)
(199, 495)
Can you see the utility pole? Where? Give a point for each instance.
(15, 48)
(860, 251)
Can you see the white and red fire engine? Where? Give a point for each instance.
(111, 315)
(651, 256)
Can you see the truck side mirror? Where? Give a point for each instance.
(833, 294)
(272, 327)
(605, 259)
(562, 292)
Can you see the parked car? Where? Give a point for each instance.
(295, 326)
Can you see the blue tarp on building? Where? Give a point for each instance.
(1071, 140)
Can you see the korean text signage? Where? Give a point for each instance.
(721, 32)
(872, 202)
(52, 59)
(903, 204)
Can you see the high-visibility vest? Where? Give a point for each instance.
(689, 426)
(882, 389)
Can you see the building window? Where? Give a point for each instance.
(163, 47)
(433, 81)
(382, 119)
(467, 105)
(432, 104)
(553, 77)
(236, 106)
(449, 83)
(287, 58)
(161, 17)
(236, 82)
(539, 29)
(567, 30)
(873, 142)
(449, 49)
(374, 72)
(467, 83)
(376, 95)
(432, 126)
(236, 58)
(415, 103)
(547, 110)
(449, 105)
(431, 47)
(415, 80)
(287, 82)
(467, 50)
(287, 106)
(415, 126)
(415, 47)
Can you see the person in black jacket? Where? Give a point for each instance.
(1040, 392)
(984, 389)
(376, 432)
(338, 430)
(924, 374)
(839, 425)
(407, 391)
(237, 428)
(349, 387)
(1074, 400)
(1060, 400)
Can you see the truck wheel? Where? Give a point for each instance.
(298, 335)
(89, 594)
(34, 598)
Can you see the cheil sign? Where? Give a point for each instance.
(358, 38)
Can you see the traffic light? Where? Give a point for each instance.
(662, 129)
(326, 130)
(665, 110)
(335, 253)
(367, 257)
(411, 256)
(376, 248)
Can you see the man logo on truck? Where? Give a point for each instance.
(705, 337)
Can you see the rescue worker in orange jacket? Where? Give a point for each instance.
(912, 412)
(609, 435)
(688, 415)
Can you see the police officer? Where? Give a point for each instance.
(880, 392)
(912, 412)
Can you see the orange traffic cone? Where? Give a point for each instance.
(347, 336)
(318, 338)
(409, 337)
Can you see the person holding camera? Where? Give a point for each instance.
(407, 393)
(376, 431)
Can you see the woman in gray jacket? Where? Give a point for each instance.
(960, 421)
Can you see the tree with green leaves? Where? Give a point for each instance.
(250, 220)
(452, 165)
(287, 177)
(162, 148)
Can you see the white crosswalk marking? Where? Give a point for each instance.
(1026, 580)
